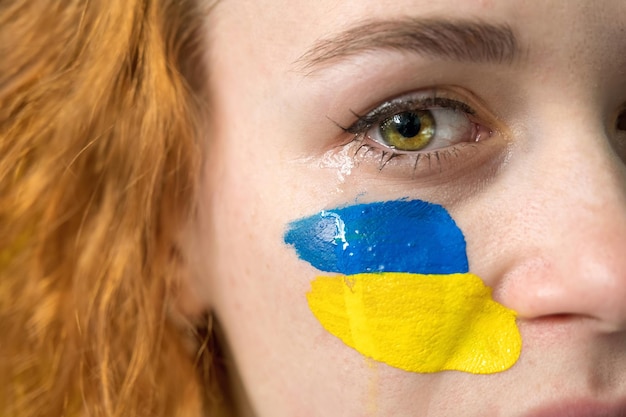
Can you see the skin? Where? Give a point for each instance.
(541, 201)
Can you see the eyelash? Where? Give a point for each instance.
(365, 123)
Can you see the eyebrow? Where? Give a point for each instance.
(461, 40)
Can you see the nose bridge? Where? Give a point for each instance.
(582, 173)
(573, 261)
(585, 179)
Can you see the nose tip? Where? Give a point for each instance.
(573, 263)
(594, 288)
(570, 261)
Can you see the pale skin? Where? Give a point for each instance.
(541, 199)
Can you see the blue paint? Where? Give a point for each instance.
(394, 236)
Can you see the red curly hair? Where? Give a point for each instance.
(101, 105)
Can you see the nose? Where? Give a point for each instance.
(567, 252)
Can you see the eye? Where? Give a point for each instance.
(417, 130)
(412, 124)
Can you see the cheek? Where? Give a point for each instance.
(419, 323)
(255, 285)
(284, 358)
(404, 295)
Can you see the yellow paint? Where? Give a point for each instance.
(419, 323)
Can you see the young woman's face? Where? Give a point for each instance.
(431, 137)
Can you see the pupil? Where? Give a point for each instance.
(407, 124)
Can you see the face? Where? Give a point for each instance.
(488, 134)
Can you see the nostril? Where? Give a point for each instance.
(621, 121)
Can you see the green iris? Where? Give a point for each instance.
(408, 131)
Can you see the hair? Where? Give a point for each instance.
(100, 155)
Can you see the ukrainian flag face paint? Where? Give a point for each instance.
(405, 296)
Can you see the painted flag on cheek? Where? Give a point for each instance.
(404, 295)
